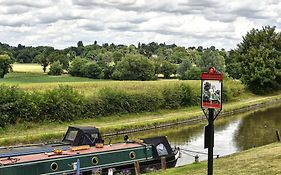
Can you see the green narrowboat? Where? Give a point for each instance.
(82, 151)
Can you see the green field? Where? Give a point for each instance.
(29, 77)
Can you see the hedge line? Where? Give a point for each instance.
(65, 104)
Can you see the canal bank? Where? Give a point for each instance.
(118, 124)
(265, 160)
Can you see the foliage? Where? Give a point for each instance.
(167, 69)
(5, 65)
(91, 70)
(134, 67)
(192, 74)
(56, 68)
(259, 56)
(66, 104)
(232, 65)
(183, 67)
(212, 59)
(76, 67)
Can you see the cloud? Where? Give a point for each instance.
(62, 23)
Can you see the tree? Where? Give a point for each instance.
(193, 73)
(76, 66)
(183, 67)
(92, 70)
(43, 58)
(58, 56)
(134, 67)
(259, 56)
(212, 59)
(56, 68)
(232, 65)
(167, 69)
(117, 56)
(5, 65)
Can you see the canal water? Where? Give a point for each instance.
(232, 134)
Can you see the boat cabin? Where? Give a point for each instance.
(87, 135)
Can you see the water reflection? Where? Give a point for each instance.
(258, 128)
(232, 134)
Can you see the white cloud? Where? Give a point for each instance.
(61, 23)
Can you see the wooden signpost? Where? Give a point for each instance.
(211, 104)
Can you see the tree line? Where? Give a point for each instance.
(110, 61)
(256, 60)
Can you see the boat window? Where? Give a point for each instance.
(161, 150)
(71, 135)
(94, 137)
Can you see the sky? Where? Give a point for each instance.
(62, 23)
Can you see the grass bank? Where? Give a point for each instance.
(265, 160)
(37, 132)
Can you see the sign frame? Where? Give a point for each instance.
(211, 89)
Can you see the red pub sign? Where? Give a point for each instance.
(211, 89)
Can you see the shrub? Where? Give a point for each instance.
(61, 104)
(56, 68)
(91, 70)
(134, 67)
(76, 66)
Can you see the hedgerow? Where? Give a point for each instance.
(65, 104)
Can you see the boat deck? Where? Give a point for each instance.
(66, 153)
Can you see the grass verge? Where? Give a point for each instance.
(265, 160)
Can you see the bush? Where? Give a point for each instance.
(192, 74)
(91, 70)
(56, 68)
(5, 64)
(76, 66)
(61, 104)
(134, 67)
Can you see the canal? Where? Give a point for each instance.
(232, 134)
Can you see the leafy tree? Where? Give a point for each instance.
(179, 54)
(232, 65)
(134, 67)
(71, 55)
(5, 65)
(183, 67)
(259, 56)
(43, 58)
(212, 59)
(56, 68)
(24, 56)
(76, 66)
(92, 70)
(108, 71)
(117, 56)
(167, 69)
(58, 56)
(193, 73)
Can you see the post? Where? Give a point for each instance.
(137, 168)
(278, 135)
(163, 163)
(211, 145)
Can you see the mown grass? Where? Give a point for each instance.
(265, 160)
